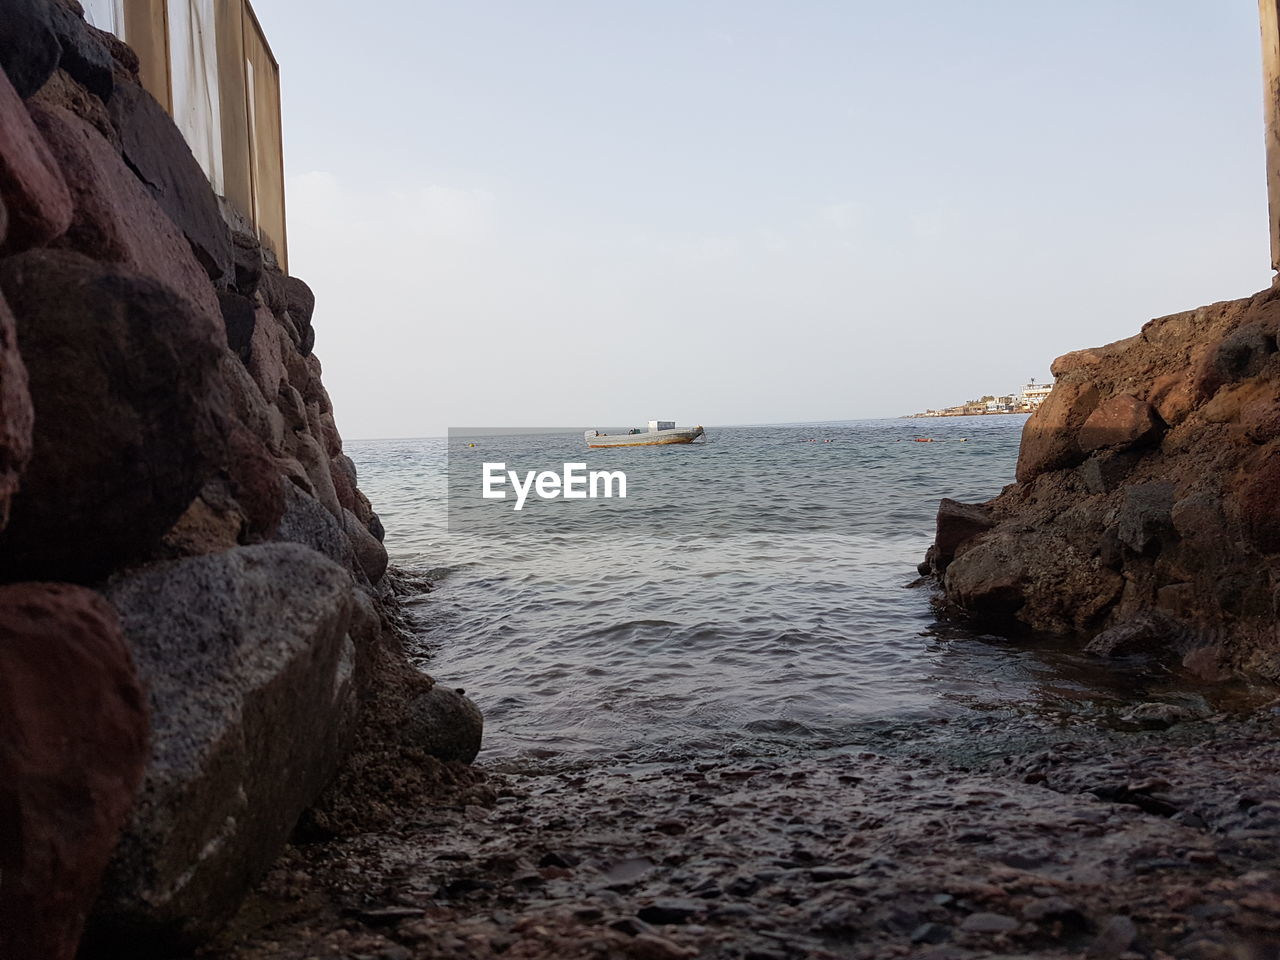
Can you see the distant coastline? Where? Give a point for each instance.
(962, 413)
(1025, 400)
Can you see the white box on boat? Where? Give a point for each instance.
(656, 425)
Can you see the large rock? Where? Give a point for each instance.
(307, 522)
(1049, 435)
(1120, 422)
(1258, 501)
(35, 195)
(299, 301)
(958, 524)
(159, 155)
(248, 661)
(71, 759)
(308, 452)
(29, 48)
(1168, 533)
(445, 724)
(267, 344)
(239, 319)
(1145, 517)
(371, 555)
(128, 420)
(988, 581)
(16, 417)
(254, 479)
(85, 54)
(246, 255)
(116, 217)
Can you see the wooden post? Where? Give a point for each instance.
(1269, 11)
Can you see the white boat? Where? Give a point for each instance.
(660, 432)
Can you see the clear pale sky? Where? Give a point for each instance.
(574, 213)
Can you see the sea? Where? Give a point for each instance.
(754, 592)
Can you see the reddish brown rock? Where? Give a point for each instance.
(1258, 501)
(307, 451)
(16, 417)
(958, 523)
(255, 481)
(267, 346)
(343, 472)
(155, 148)
(71, 759)
(989, 583)
(371, 555)
(1049, 436)
(116, 219)
(1260, 419)
(247, 404)
(314, 392)
(1173, 396)
(203, 528)
(128, 403)
(299, 300)
(1119, 422)
(35, 194)
(1173, 516)
(63, 91)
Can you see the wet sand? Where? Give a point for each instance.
(1002, 836)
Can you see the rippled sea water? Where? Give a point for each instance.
(764, 598)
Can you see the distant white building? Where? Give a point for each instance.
(1034, 394)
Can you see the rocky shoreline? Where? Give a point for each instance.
(204, 680)
(1000, 836)
(1145, 516)
(196, 621)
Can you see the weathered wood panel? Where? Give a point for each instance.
(1269, 11)
(146, 29)
(265, 137)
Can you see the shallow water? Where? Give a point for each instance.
(754, 591)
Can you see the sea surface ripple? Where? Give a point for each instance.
(716, 632)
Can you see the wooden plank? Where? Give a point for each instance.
(1269, 15)
(146, 29)
(237, 183)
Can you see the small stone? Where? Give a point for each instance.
(648, 946)
(386, 916)
(931, 933)
(1051, 908)
(672, 910)
(828, 874)
(1113, 939)
(989, 923)
(559, 858)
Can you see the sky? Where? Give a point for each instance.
(728, 211)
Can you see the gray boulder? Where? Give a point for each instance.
(306, 521)
(369, 551)
(445, 724)
(248, 661)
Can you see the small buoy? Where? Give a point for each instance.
(470, 444)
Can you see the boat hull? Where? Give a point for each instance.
(658, 438)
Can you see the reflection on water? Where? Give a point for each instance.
(606, 639)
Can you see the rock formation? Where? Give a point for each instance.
(196, 620)
(1146, 513)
